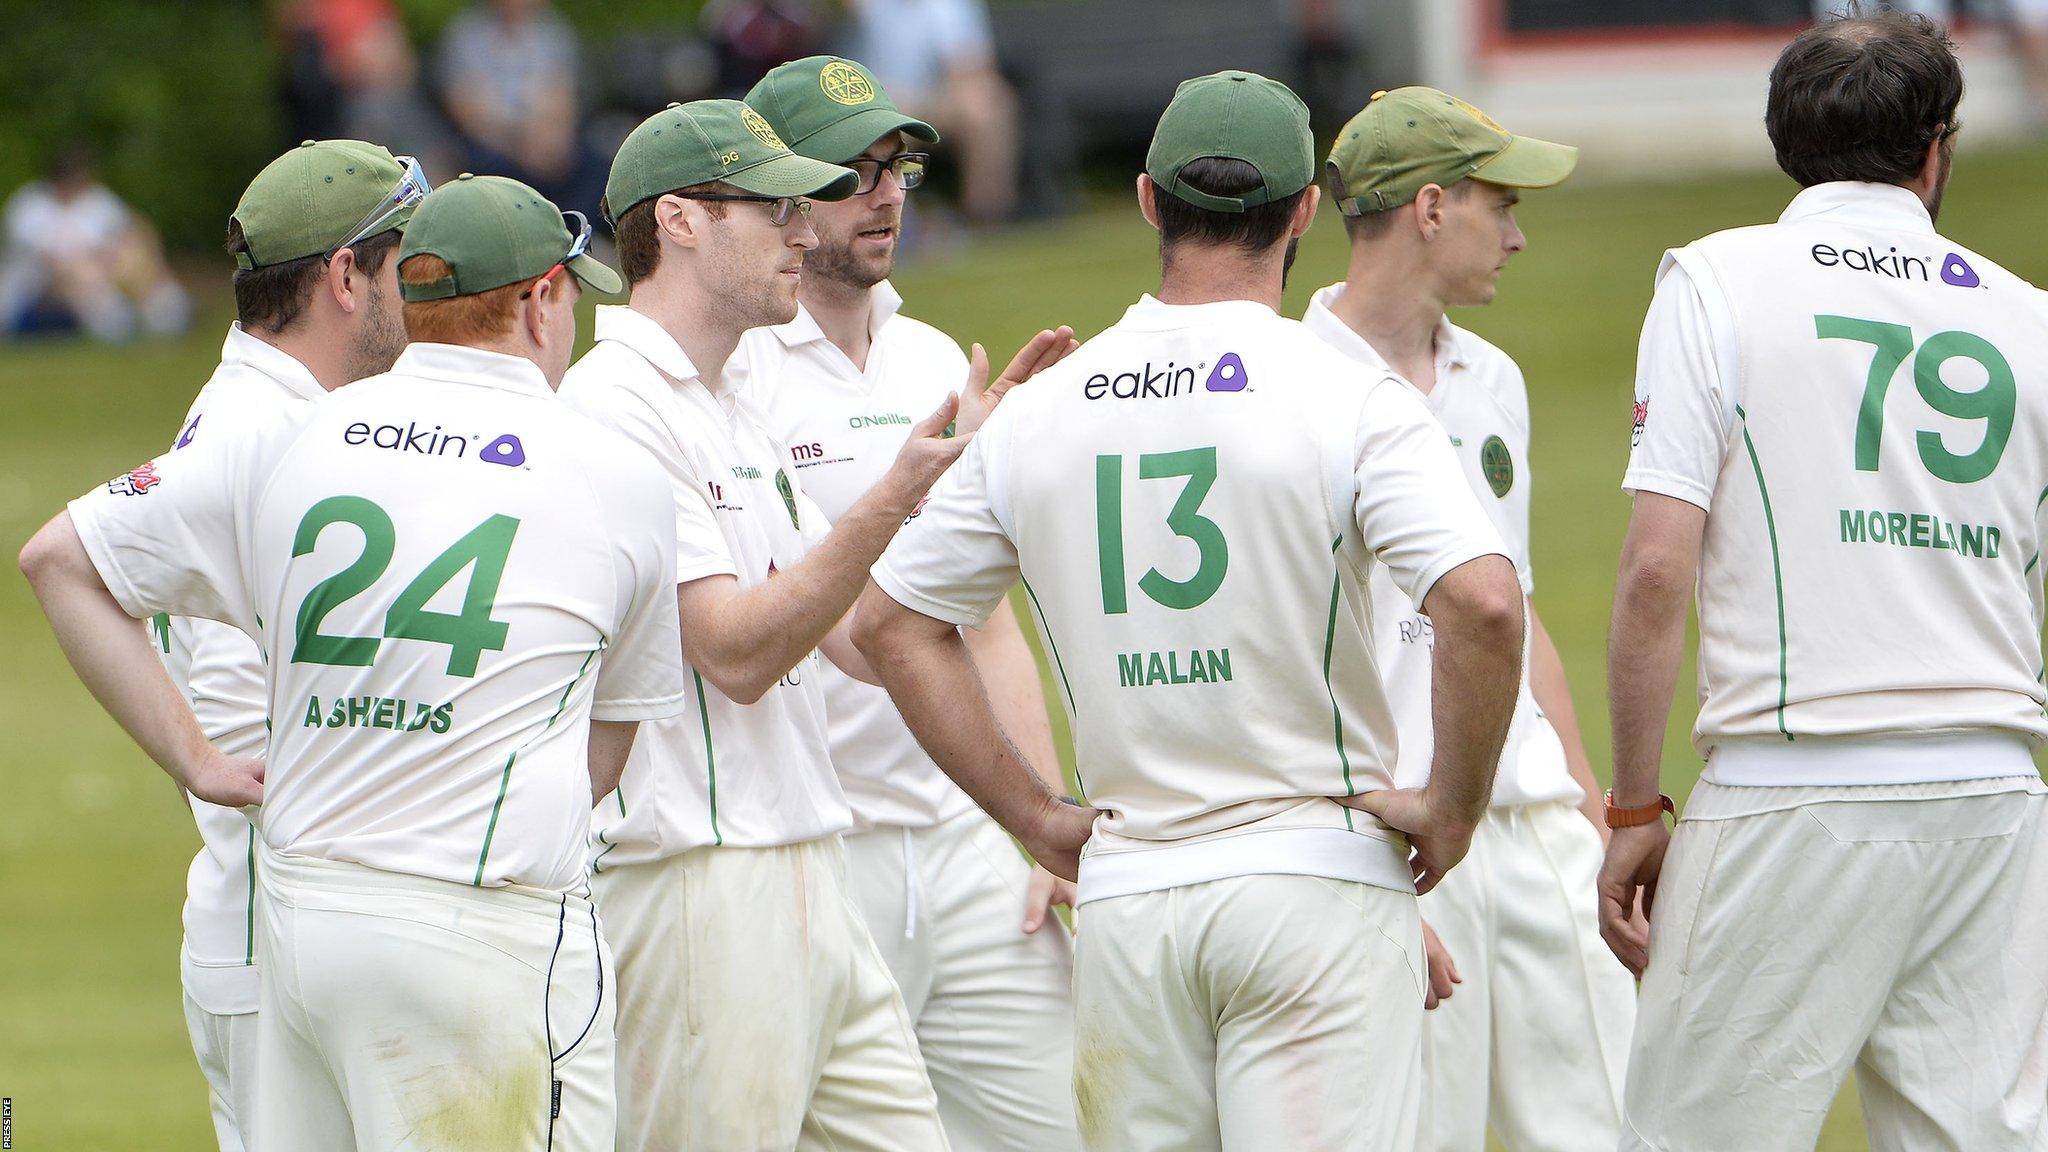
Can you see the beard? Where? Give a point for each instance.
(382, 338)
(1948, 152)
(834, 258)
(1287, 263)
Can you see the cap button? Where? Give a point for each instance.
(307, 143)
(675, 104)
(467, 176)
(1380, 93)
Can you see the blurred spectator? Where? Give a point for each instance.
(751, 36)
(508, 73)
(357, 55)
(74, 256)
(2025, 20)
(937, 59)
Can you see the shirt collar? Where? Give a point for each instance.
(1452, 349)
(247, 351)
(1854, 202)
(622, 324)
(1150, 314)
(883, 304)
(460, 364)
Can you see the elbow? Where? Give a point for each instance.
(743, 685)
(1498, 612)
(43, 555)
(1652, 578)
(870, 630)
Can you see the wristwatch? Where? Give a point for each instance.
(1618, 817)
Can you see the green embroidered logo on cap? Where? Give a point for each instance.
(788, 497)
(761, 129)
(844, 84)
(1496, 465)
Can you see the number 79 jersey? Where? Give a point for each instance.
(1862, 408)
(1194, 501)
(449, 575)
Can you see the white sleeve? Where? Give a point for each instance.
(700, 546)
(166, 537)
(953, 560)
(1412, 504)
(640, 674)
(1684, 415)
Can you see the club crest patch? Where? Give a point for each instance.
(844, 84)
(782, 485)
(137, 482)
(1496, 465)
(762, 130)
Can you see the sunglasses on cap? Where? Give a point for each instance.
(412, 188)
(908, 166)
(783, 208)
(577, 247)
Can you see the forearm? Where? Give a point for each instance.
(931, 676)
(758, 634)
(1553, 693)
(1476, 672)
(1646, 637)
(111, 651)
(1009, 674)
(611, 744)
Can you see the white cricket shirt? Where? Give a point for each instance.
(723, 773)
(449, 574)
(1483, 405)
(220, 670)
(843, 427)
(1195, 501)
(1861, 406)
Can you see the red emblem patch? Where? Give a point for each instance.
(137, 482)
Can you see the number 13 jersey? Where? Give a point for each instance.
(449, 575)
(1862, 408)
(1194, 501)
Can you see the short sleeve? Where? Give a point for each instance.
(1412, 505)
(167, 536)
(1684, 415)
(954, 561)
(700, 546)
(640, 674)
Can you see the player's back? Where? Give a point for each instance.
(1871, 560)
(1181, 495)
(444, 555)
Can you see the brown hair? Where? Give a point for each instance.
(639, 247)
(271, 298)
(473, 319)
(1253, 230)
(1373, 225)
(1861, 98)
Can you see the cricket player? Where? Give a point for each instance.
(754, 1011)
(1841, 447)
(959, 914)
(316, 296)
(1535, 1039)
(461, 591)
(1195, 502)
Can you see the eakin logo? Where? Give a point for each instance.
(1149, 383)
(433, 440)
(1890, 264)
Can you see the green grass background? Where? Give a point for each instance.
(93, 840)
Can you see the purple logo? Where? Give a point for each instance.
(1957, 271)
(191, 430)
(504, 450)
(1228, 375)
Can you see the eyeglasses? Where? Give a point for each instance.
(411, 189)
(577, 247)
(908, 167)
(785, 208)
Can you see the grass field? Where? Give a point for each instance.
(93, 841)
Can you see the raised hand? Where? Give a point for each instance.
(980, 395)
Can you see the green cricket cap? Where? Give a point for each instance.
(830, 108)
(707, 140)
(1410, 137)
(492, 231)
(1239, 116)
(313, 198)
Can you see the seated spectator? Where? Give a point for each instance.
(937, 58)
(73, 256)
(508, 75)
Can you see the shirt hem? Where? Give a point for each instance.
(889, 582)
(1329, 853)
(657, 708)
(1665, 484)
(1825, 762)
